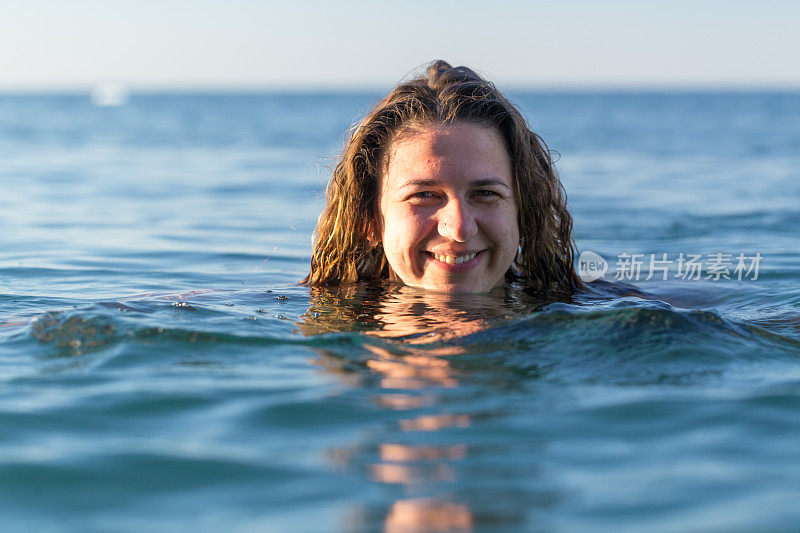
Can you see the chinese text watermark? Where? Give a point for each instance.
(682, 266)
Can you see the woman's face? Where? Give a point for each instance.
(448, 212)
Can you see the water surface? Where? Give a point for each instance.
(161, 369)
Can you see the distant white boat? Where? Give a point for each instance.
(109, 94)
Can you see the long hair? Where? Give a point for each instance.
(343, 251)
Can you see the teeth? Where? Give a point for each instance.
(453, 259)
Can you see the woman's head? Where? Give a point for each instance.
(443, 186)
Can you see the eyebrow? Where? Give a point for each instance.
(477, 183)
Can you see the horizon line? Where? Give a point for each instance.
(144, 89)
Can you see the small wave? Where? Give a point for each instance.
(101, 325)
(621, 341)
(618, 340)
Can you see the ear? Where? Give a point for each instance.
(373, 233)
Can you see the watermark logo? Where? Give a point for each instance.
(591, 266)
(683, 266)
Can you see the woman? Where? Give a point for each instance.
(443, 186)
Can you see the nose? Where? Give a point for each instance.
(457, 222)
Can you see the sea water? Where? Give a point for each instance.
(161, 368)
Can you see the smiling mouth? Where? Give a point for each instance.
(453, 259)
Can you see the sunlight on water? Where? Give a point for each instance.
(109, 95)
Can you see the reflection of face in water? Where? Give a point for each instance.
(408, 352)
(421, 328)
(403, 313)
(411, 312)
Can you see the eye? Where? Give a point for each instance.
(485, 194)
(422, 197)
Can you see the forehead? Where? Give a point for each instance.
(459, 150)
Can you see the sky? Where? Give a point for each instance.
(359, 44)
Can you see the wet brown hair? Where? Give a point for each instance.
(344, 251)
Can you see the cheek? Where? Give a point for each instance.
(506, 228)
(513, 229)
(508, 241)
(403, 234)
(404, 227)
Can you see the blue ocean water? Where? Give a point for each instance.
(161, 369)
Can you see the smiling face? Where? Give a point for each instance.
(448, 213)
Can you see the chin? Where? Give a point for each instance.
(465, 287)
